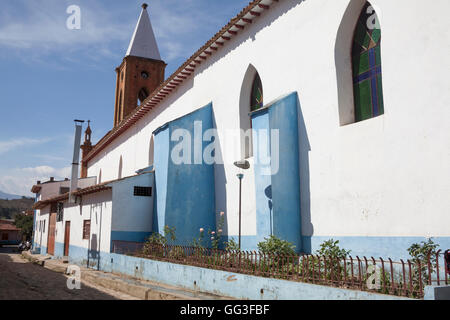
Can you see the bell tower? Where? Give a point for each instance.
(86, 148)
(141, 71)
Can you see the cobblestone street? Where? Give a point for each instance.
(20, 279)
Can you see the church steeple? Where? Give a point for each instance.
(86, 148)
(141, 71)
(143, 43)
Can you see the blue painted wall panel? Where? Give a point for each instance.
(285, 181)
(263, 184)
(278, 191)
(161, 164)
(185, 192)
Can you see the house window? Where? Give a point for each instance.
(60, 211)
(64, 190)
(86, 229)
(366, 63)
(143, 191)
(4, 236)
(256, 97)
(53, 206)
(43, 226)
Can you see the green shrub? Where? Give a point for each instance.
(155, 243)
(276, 246)
(231, 245)
(332, 269)
(330, 248)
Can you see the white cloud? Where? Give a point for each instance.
(20, 181)
(42, 27)
(19, 142)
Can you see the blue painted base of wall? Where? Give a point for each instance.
(395, 248)
(130, 236)
(59, 249)
(384, 247)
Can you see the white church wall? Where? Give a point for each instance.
(384, 177)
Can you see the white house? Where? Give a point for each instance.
(348, 101)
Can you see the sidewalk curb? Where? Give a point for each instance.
(144, 290)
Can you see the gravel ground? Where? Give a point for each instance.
(22, 280)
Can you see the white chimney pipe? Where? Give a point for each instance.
(76, 160)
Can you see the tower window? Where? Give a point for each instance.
(119, 115)
(366, 63)
(144, 74)
(143, 94)
(256, 97)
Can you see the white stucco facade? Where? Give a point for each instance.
(387, 176)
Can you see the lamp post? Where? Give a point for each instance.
(244, 164)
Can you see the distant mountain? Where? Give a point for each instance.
(7, 196)
(9, 208)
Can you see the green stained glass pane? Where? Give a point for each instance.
(377, 55)
(361, 63)
(380, 95)
(363, 101)
(365, 36)
(376, 35)
(256, 98)
(361, 35)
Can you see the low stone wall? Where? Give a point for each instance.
(225, 283)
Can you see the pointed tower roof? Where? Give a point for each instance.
(143, 44)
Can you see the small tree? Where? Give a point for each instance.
(25, 223)
(420, 254)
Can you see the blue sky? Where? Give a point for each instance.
(51, 75)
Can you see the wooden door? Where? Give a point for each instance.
(66, 239)
(51, 234)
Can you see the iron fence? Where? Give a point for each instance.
(402, 278)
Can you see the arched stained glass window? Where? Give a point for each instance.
(366, 62)
(256, 97)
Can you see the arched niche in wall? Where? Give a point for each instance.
(251, 99)
(120, 168)
(151, 151)
(343, 61)
(100, 176)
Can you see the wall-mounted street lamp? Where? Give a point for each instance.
(243, 165)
